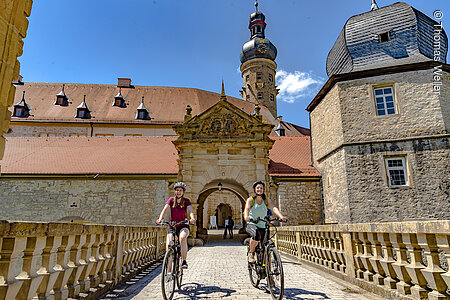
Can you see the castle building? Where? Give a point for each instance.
(380, 125)
(378, 149)
(111, 153)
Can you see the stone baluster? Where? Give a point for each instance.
(145, 247)
(333, 252)
(340, 255)
(135, 249)
(443, 242)
(96, 261)
(110, 258)
(404, 284)
(367, 255)
(86, 249)
(47, 271)
(104, 257)
(62, 259)
(418, 290)
(299, 245)
(140, 250)
(316, 247)
(433, 271)
(359, 256)
(31, 279)
(377, 256)
(77, 264)
(11, 248)
(388, 259)
(305, 241)
(126, 250)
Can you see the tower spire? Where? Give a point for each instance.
(374, 5)
(256, 5)
(223, 96)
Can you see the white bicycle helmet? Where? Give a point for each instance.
(181, 185)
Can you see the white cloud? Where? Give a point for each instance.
(296, 85)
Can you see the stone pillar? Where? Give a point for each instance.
(13, 28)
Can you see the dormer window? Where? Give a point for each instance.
(83, 111)
(384, 37)
(119, 100)
(22, 109)
(142, 112)
(61, 98)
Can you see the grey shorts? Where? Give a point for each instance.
(255, 232)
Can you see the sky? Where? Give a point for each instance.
(190, 43)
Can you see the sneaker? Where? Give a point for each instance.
(184, 265)
(251, 257)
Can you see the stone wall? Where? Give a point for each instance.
(300, 201)
(427, 196)
(13, 28)
(419, 108)
(120, 202)
(19, 130)
(326, 125)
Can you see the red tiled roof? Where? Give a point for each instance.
(166, 105)
(291, 157)
(90, 155)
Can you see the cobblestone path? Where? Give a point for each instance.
(218, 270)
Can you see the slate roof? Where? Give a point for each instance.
(290, 156)
(357, 47)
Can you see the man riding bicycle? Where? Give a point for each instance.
(256, 206)
(179, 206)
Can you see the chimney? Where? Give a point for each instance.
(124, 83)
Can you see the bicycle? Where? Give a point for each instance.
(267, 262)
(172, 273)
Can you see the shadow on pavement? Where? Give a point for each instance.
(200, 291)
(130, 288)
(297, 294)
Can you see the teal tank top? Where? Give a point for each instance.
(258, 211)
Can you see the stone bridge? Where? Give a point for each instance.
(405, 260)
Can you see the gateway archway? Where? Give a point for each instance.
(228, 199)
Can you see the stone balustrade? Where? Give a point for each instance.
(404, 260)
(62, 260)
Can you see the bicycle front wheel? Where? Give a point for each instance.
(275, 275)
(252, 270)
(168, 276)
(180, 271)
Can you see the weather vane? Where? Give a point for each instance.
(256, 5)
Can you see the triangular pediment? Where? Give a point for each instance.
(223, 121)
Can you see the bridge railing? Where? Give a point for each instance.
(62, 260)
(397, 260)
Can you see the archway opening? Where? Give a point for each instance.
(216, 204)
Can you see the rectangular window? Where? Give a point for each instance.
(141, 115)
(397, 172)
(81, 113)
(259, 76)
(47, 134)
(18, 112)
(77, 134)
(385, 101)
(133, 134)
(59, 100)
(259, 95)
(104, 134)
(272, 97)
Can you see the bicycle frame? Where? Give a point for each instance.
(265, 243)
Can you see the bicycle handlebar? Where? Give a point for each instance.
(173, 224)
(267, 219)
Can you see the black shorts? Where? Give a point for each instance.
(179, 229)
(255, 232)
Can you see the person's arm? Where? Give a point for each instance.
(276, 211)
(163, 212)
(191, 213)
(247, 208)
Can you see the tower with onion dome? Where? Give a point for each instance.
(258, 65)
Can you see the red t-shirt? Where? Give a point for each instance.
(178, 213)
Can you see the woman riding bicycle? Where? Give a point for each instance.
(179, 206)
(256, 206)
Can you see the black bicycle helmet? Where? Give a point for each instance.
(181, 185)
(258, 182)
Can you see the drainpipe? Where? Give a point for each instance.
(92, 129)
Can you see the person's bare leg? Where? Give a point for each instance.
(184, 233)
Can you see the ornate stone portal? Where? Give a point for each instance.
(222, 145)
